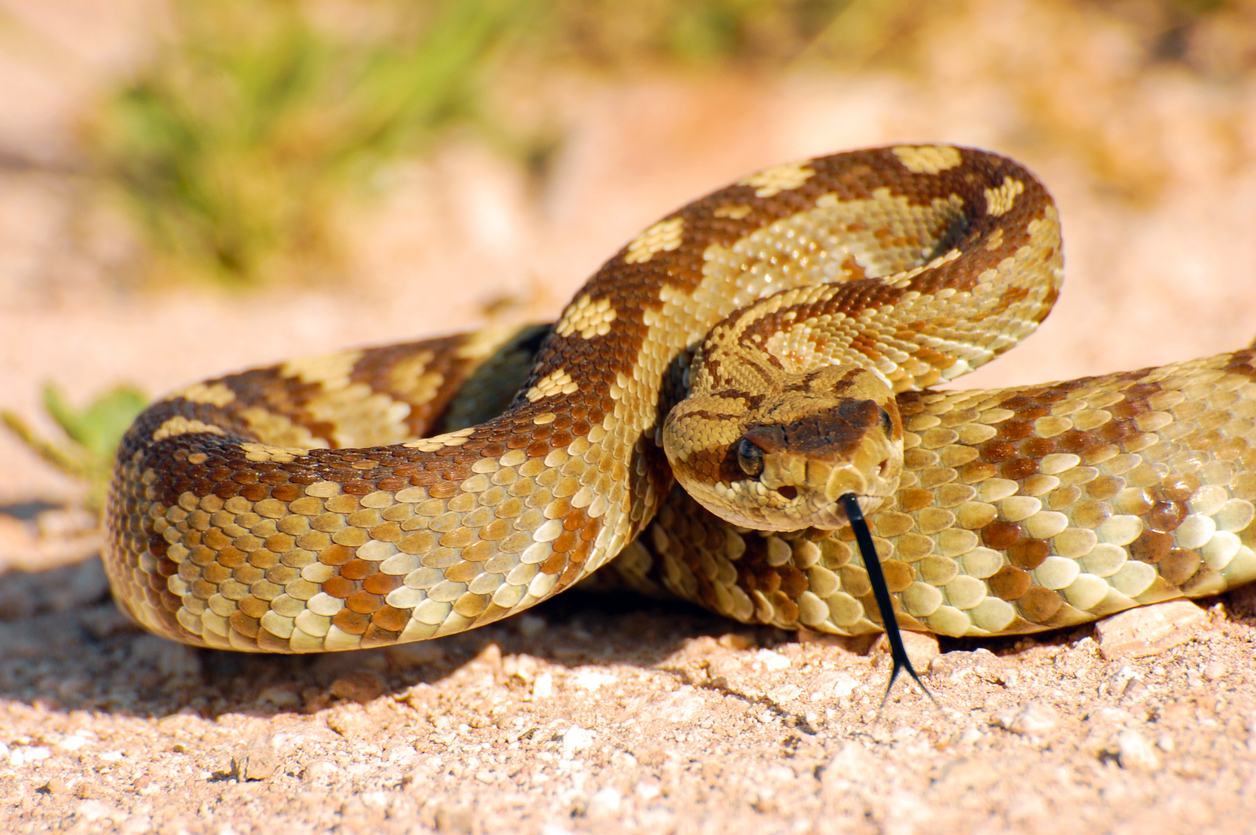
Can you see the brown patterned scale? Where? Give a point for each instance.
(1019, 510)
(298, 508)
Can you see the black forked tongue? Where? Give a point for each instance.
(880, 591)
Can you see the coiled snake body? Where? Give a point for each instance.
(300, 508)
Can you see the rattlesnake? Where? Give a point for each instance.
(300, 508)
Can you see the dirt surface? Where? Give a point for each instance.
(609, 714)
(619, 715)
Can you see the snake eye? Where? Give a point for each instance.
(887, 422)
(749, 457)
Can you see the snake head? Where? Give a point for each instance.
(782, 461)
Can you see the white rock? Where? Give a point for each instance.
(575, 739)
(772, 660)
(1133, 753)
(1149, 630)
(593, 680)
(605, 802)
(1034, 719)
(73, 742)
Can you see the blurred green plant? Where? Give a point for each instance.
(750, 34)
(234, 144)
(241, 138)
(255, 121)
(92, 434)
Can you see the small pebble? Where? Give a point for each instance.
(457, 821)
(95, 810)
(575, 739)
(1033, 719)
(136, 825)
(87, 790)
(959, 665)
(851, 764)
(258, 762)
(772, 659)
(400, 754)
(282, 697)
(319, 771)
(785, 693)
(73, 742)
(648, 788)
(829, 686)
(736, 640)
(350, 720)
(593, 680)
(921, 648)
(20, 756)
(967, 773)
(1133, 753)
(1149, 630)
(359, 686)
(605, 802)
(490, 656)
(1123, 681)
(55, 785)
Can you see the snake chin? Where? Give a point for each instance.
(753, 505)
(840, 519)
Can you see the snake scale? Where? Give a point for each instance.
(394, 494)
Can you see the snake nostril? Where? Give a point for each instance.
(787, 492)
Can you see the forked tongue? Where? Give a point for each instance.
(880, 591)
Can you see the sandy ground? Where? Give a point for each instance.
(610, 715)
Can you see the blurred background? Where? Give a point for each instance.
(188, 188)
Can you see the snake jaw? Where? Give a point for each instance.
(811, 485)
(796, 491)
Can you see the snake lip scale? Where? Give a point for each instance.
(400, 493)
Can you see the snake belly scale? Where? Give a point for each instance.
(300, 508)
